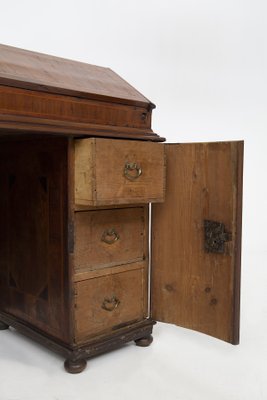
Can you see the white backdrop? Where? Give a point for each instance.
(203, 62)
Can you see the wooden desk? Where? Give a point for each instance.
(79, 166)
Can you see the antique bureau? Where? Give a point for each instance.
(105, 229)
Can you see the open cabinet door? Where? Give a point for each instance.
(196, 239)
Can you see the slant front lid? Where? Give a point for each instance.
(35, 71)
(196, 239)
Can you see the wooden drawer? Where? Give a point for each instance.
(110, 302)
(106, 238)
(118, 172)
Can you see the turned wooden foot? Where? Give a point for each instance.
(75, 367)
(3, 326)
(145, 341)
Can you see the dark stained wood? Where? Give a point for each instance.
(144, 341)
(53, 96)
(191, 287)
(92, 348)
(3, 326)
(30, 103)
(33, 234)
(41, 72)
(42, 98)
(238, 249)
(57, 284)
(69, 297)
(24, 126)
(75, 366)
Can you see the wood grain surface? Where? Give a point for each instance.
(126, 288)
(42, 94)
(191, 287)
(36, 104)
(92, 228)
(33, 202)
(42, 72)
(99, 172)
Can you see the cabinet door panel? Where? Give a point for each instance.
(196, 239)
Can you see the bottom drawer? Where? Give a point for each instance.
(109, 302)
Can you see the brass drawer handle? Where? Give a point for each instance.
(110, 304)
(132, 171)
(110, 236)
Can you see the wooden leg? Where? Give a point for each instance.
(145, 341)
(75, 367)
(3, 326)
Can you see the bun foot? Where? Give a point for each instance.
(145, 341)
(3, 326)
(75, 367)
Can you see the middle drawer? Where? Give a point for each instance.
(105, 238)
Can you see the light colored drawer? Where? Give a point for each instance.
(106, 238)
(109, 171)
(109, 302)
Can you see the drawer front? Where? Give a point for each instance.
(106, 238)
(118, 172)
(109, 302)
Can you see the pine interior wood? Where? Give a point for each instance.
(92, 229)
(190, 287)
(84, 274)
(42, 72)
(128, 288)
(99, 172)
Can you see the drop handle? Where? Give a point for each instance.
(132, 171)
(110, 304)
(110, 236)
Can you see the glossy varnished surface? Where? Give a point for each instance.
(35, 104)
(53, 96)
(41, 72)
(54, 275)
(28, 112)
(33, 206)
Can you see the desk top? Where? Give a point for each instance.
(35, 71)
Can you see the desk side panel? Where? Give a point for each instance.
(33, 209)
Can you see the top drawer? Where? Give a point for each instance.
(110, 171)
